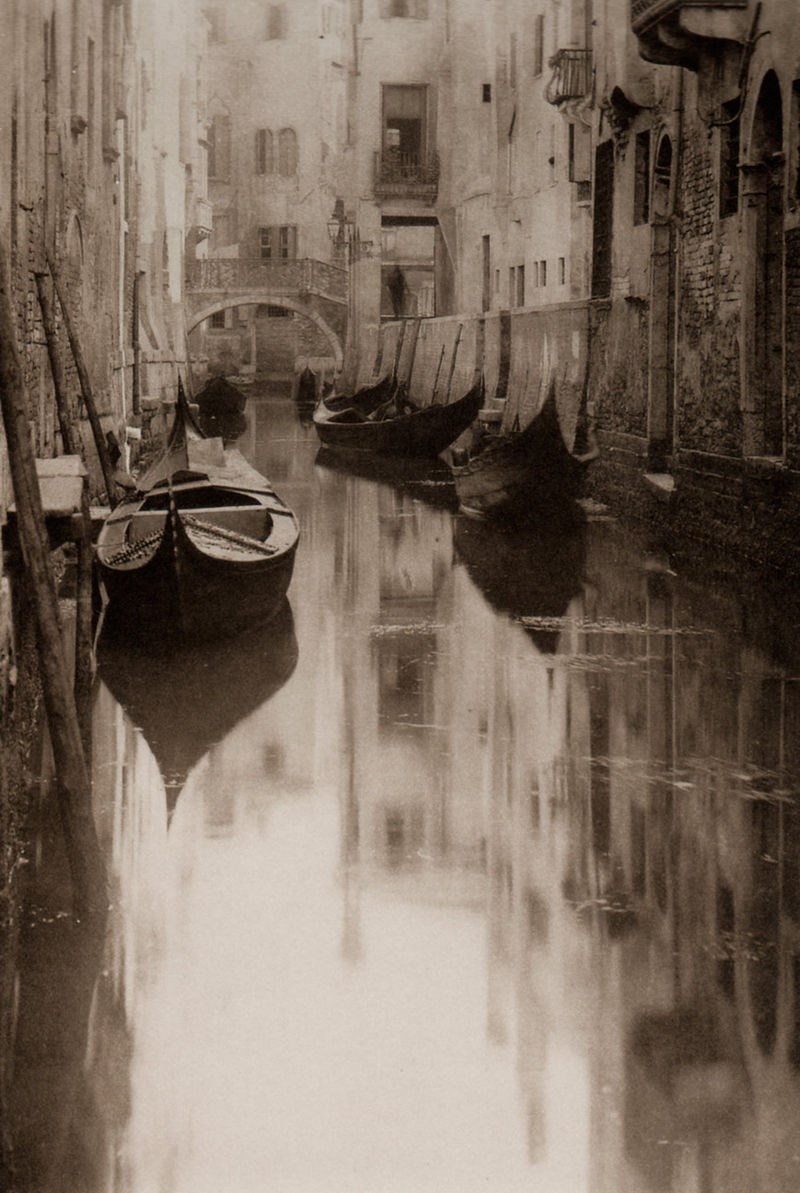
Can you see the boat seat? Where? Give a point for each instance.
(252, 520)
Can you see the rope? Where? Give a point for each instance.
(232, 536)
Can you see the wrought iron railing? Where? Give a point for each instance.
(572, 75)
(287, 277)
(397, 172)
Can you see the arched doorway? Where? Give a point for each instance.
(763, 263)
(661, 370)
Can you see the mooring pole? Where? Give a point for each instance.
(83, 537)
(65, 420)
(72, 776)
(86, 385)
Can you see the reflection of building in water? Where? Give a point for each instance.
(643, 892)
(400, 677)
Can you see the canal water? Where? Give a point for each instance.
(477, 871)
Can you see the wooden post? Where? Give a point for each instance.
(83, 625)
(83, 537)
(86, 385)
(72, 777)
(65, 418)
(436, 378)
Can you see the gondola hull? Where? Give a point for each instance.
(424, 432)
(519, 475)
(205, 548)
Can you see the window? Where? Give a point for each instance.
(579, 151)
(562, 271)
(602, 222)
(264, 153)
(287, 242)
(536, 273)
(218, 320)
(542, 273)
(641, 179)
(538, 45)
(512, 284)
(729, 159)
(276, 22)
(487, 92)
(278, 312)
(520, 285)
(404, 124)
(416, 9)
(287, 152)
(278, 243)
(219, 148)
(486, 251)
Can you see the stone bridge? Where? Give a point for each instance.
(312, 288)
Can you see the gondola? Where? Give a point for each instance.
(203, 548)
(521, 474)
(221, 408)
(397, 427)
(184, 698)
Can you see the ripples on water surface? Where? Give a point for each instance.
(479, 872)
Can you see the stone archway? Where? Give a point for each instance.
(274, 300)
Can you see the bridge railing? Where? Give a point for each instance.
(289, 278)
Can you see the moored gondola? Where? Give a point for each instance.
(397, 427)
(204, 547)
(520, 474)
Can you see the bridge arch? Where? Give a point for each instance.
(273, 300)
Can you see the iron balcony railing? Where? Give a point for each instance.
(645, 13)
(282, 277)
(572, 75)
(409, 174)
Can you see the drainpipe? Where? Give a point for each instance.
(137, 346)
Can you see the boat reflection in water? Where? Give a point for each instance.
(424, 480)
(186, 699)
(530, 573)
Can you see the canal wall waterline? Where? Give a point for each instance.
(521, 354)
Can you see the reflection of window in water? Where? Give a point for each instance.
(403, 834)
(401, 678)
(273, 759)
(218, 810)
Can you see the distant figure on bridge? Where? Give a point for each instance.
(398, 289)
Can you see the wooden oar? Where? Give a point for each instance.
(436, 379)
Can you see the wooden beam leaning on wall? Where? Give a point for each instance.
(73, 784)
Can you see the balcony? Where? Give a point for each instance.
(677, 32)
(406, 175)
(571, 78)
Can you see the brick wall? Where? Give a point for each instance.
(708, 378)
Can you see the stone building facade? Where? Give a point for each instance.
(104, 182)
(278, 78)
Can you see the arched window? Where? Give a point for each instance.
(265, 160)
(219, 147)
(287, 152)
